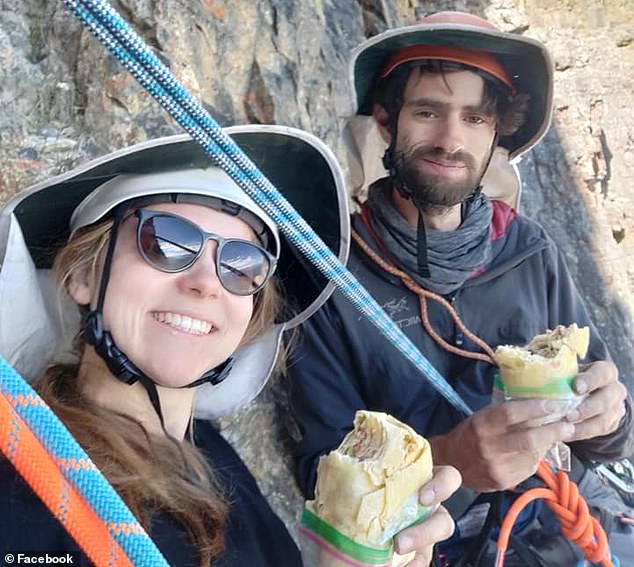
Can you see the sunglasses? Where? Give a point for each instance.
(172, 244)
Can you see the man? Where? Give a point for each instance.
(444, 95)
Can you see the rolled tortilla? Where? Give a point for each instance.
(364, 484)
(546, 366)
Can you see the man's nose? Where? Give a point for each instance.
(451, 135)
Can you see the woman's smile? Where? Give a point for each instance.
(184, 323)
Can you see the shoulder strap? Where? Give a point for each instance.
(460, 501)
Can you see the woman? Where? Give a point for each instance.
(171, 266)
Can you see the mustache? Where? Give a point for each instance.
(437, 154)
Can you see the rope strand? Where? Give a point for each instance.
(60, 448)
(577, 524)
(422, 293)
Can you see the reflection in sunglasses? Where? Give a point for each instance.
(252, 279)
(170, 248)
(171, 243)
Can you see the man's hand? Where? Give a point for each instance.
(438, 527)
(494, 449)
(604, 407)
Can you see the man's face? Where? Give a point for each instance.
(444, 137)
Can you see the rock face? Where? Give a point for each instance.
(64, 100)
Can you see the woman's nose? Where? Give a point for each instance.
(201, 278)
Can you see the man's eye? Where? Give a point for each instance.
(477, 119)
(425, 113)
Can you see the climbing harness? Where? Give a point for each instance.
(620, 476)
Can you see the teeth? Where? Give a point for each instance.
(184, 323)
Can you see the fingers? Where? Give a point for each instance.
(536, 440)
(514, 413)
(607, 401)
(445, 482)
(438, 527)
(596, 375)
(603, 409)
(597, 417)
(596, 427)
(516, 456)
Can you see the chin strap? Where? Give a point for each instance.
(215, 375)
(467, 203)
(121, 367)
(118, 363)
(389, 162)
(421, 248)
(465, 206)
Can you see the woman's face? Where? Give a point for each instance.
(173, 326)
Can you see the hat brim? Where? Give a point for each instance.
(298, 164)
(525, 59)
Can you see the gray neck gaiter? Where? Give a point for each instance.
(453, 256)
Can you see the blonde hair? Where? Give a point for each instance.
(151, 473)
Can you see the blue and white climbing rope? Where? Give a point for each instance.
(115, 34)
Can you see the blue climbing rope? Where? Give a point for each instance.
(115, 34)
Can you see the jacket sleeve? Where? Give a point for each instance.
(324, 391)
(566, 307)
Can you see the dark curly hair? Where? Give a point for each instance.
(508, 110)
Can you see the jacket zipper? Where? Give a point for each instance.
(459, 336)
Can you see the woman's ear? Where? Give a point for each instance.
(80, 287)
(383, 122)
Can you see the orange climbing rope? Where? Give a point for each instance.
(561, 494)
(42, 473)
(563, 498)
(423, 295)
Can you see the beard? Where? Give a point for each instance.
(434, 193)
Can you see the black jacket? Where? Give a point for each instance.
(255, 535)
(341, 363)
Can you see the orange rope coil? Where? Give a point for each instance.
(577, 524)
(40, 470)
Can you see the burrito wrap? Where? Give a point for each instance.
(548, 358)
(363, 485)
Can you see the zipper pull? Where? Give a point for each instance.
(459, 337)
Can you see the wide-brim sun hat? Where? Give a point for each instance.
(525, 60)
(36, 222)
